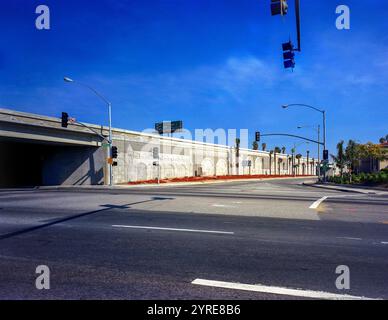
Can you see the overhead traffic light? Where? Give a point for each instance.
(288, 55)
(114, 152)
(65, 119)
(279, 7)
(257, 136)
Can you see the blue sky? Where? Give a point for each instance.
(211, 63)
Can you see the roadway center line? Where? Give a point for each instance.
(279, 290)
(172, 229)
(316, 204)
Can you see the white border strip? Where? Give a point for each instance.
(278, 290)
(171, 229)
(317, 203)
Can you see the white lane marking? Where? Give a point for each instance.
(316, 204)
(279, 290)
(171, 229)
(223, 206)
(349, 238)
(384, 242)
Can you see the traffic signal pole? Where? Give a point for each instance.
(110, 144)
(297, 15)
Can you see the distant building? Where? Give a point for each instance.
(375, 165)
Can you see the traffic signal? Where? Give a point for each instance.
(114, 152)
(279, 7)
(65, 119)
(288, 55)
(257, 136)
(325, 154)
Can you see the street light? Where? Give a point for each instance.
(67, 79)
(285, 106)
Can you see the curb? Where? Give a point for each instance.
(140, 186)
(342, 189)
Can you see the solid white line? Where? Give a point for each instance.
(316, 204)
(278, 290)
(171, 229)
(349, 238)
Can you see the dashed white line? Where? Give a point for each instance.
(171, 229)
(279, 290)
(222, 206)
(384, 242)
(317, 203)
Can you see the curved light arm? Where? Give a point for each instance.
(303, 105)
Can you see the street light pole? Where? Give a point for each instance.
(285, 106)
(67, 79)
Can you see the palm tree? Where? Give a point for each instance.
(275, 151)
(293, 150)
(298, 156)
(289, 164)
(340, 159)
(263, 146)
(308, 156)
(270, 162)
(255, 145)
(283, 150)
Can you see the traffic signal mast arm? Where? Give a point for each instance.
(291, 135)
(66, 117)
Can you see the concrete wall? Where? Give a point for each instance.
(74, 166)
(77, 155)
(186, 158)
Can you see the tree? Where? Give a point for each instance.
(298, 156)
(263, 146)
(382, 140)
(352, 155)
(270, 161)
(283, 150)
(255, 145)
(339, 159)
(275, 151)
(293, 150)
(308, 157)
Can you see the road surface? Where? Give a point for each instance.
(235, 240)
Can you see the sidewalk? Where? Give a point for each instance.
(349, 188)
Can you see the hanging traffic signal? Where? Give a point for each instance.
(257, 136)
(65, 119)
(114, 152)
(288, 55)
(279, 7)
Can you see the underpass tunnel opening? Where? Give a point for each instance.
(29, 163)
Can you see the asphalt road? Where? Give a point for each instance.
(153, 242)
